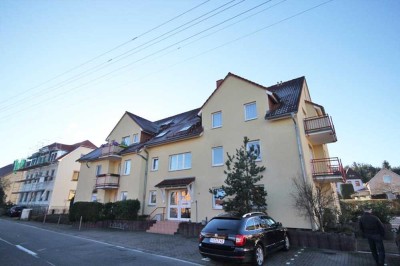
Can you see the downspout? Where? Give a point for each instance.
(301, 156)
(296, 129)
(145, 177)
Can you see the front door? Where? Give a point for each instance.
(179, 205)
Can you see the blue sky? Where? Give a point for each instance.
(63, 81)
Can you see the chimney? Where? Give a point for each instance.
(219, 82)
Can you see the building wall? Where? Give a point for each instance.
(11, 185)
(63, 182)
(125, 127)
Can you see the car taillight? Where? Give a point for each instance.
(240, 240)
(201, 237)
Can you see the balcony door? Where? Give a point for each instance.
(179, 205)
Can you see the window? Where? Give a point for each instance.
(126, 141)
(387, 179)
(217, 156)
(47, 196)
(357, 183)
(71, 195)
(154, 164)
(135, 138)
(218, 198)
(152, 197)
(216, 119)
(250, 111)
(75, 176)
(98, 169)
(254, 147)
(180, 161)
(127, 167)
(185, 128)
(124, 195)
(53, 156)
(94, 197)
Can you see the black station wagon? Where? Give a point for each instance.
(246, 238)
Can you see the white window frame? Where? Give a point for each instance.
(215, 121)
(248, 115)
(183, 161)
(154, 163)
(126, 140)
(152, 197)
(124, 195)
(214, 205)
(94, 197)
(136, 138)
(252, 143)
(98, 169)
(127, 167)
(213, 157)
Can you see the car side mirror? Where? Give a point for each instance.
(278, 224)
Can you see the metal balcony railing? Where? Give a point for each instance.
(110, 150)
(328, 169)
(107, 181)
(320, 129)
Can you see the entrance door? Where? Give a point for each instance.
(179, 205)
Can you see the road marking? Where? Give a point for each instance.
(27, 250)
(1, 239)
(108, 244)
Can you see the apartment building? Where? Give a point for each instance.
(50, 176)
(8, 178)
(170, 164)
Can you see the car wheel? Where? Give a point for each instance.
(259, 256)
(286, 246)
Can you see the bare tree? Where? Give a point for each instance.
(314, 202)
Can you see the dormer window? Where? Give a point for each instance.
(126, 140)
(161, 134)
(135, 138)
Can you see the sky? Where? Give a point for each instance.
(70, 69)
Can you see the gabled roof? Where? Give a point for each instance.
(6, 170)
(351, 174)
(289, 93)
(145, 124)
(71, 148)
(220, 82)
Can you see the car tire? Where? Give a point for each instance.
(259, 255)
(286, 245)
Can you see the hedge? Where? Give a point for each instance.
(95, 211)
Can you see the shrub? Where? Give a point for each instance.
(89, 211)
(127, 209)
(351, 210)
(346, 190)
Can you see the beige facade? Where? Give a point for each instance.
(385, 182)
(172, 172)
(8, 179)
(50, 176)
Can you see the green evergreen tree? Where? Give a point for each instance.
(241, 192)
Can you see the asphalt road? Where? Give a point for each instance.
(22, 244)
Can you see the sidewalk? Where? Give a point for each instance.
(183, 248)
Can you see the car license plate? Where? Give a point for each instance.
(217, 240)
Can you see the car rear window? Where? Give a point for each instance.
(226, 225)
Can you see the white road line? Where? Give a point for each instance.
(5, 241)
(27, 250)
(108, 244)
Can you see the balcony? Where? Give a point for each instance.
(107, 181)
(328, 170)
(111, 152)
(320, 130)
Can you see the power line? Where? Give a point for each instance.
(107, 63)
(108, 51)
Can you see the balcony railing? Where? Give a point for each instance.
(320, 130)
(329, 170)
(107, 181)
(110, 151)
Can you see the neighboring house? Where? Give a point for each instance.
(8, 179)
(385, 184)
(352, 178)
(51, 175)
(171, 164)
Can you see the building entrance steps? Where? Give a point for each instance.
(164, 227)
